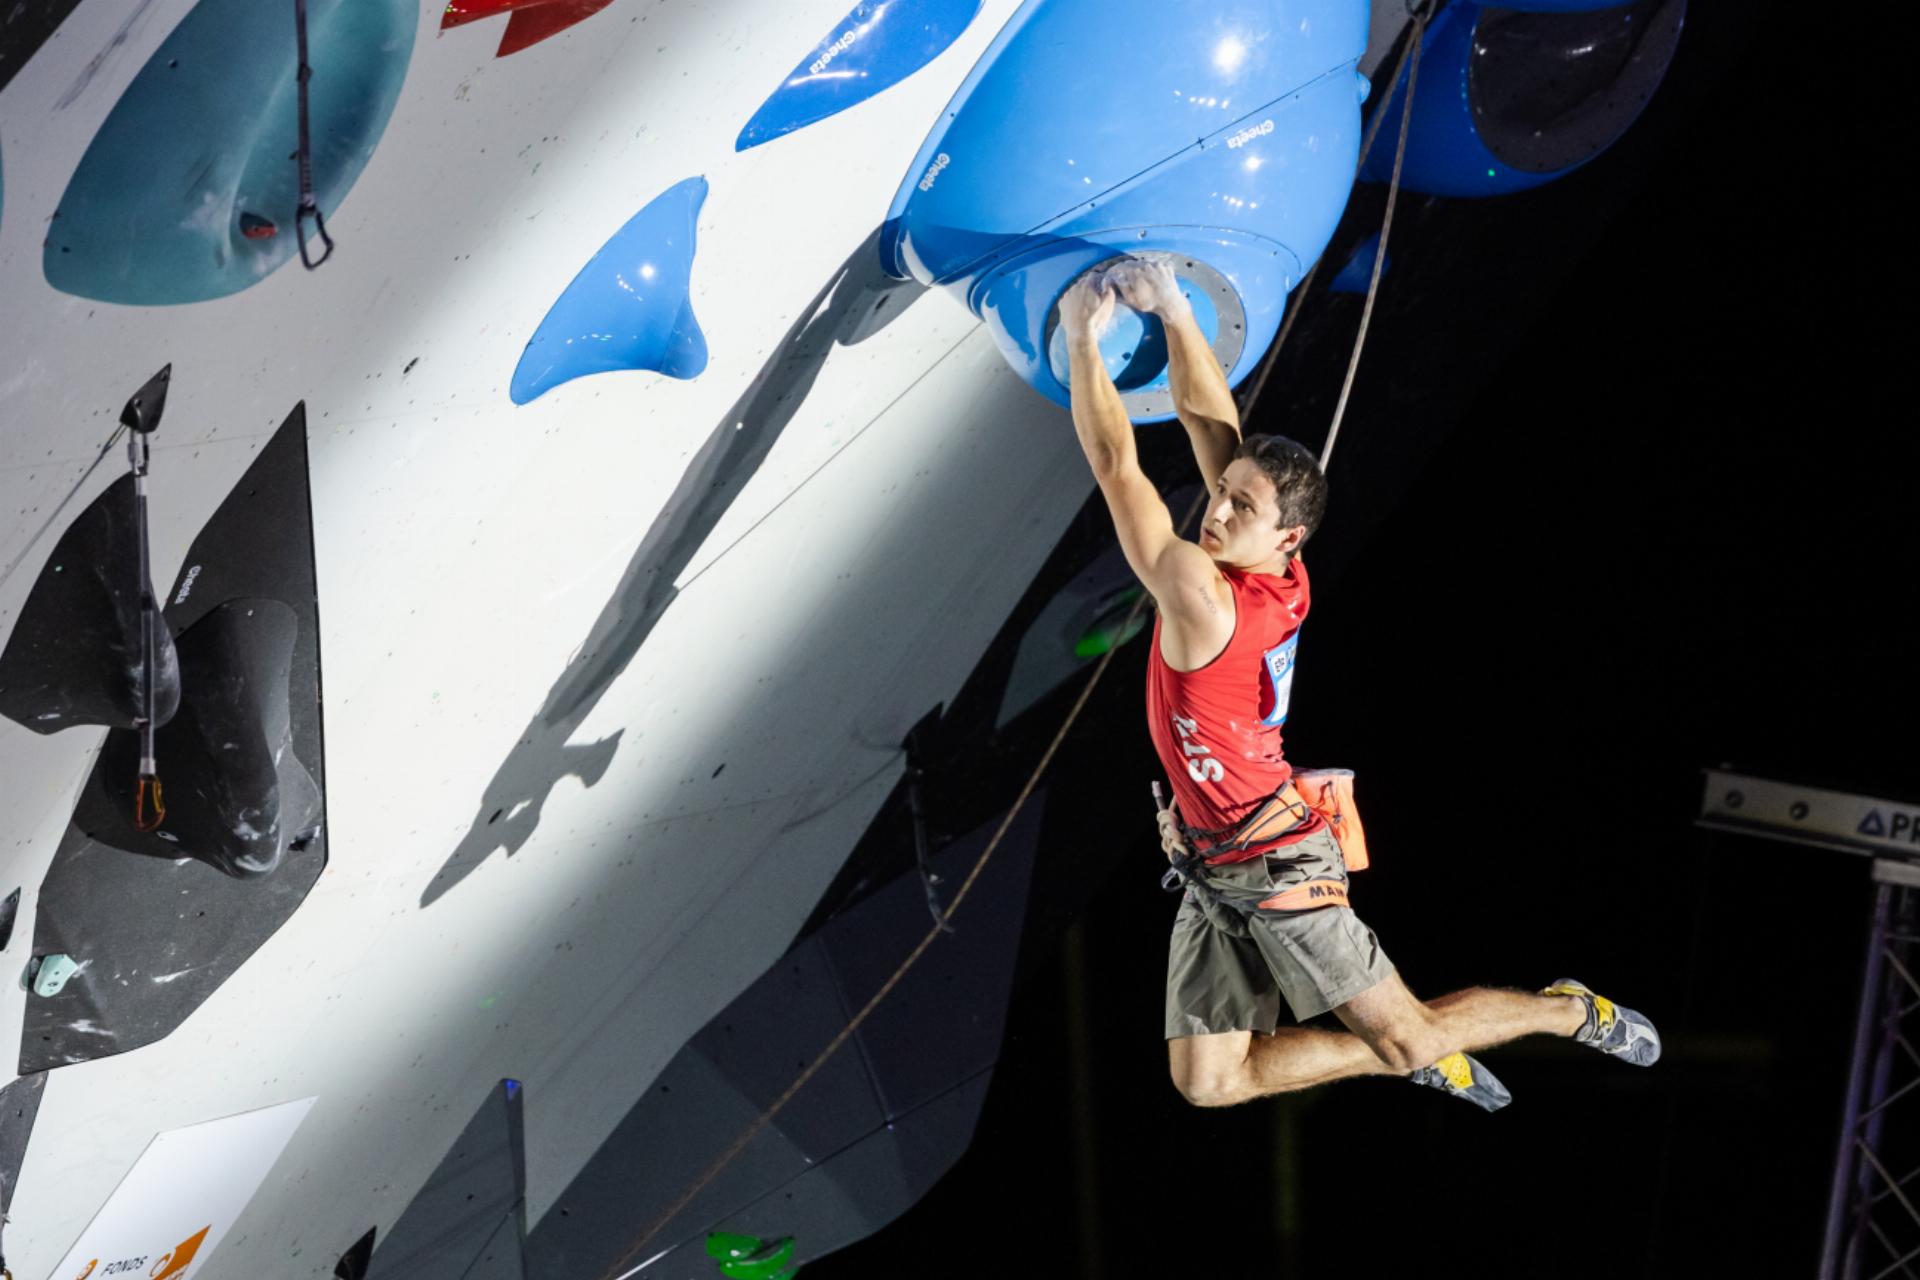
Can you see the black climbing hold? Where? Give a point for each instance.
(143, 410)
(237, 793)
(353, 1263)
(74, 655)
(9, 911)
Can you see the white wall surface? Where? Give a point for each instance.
(465, 548)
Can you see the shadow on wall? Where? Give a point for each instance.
(857, 303)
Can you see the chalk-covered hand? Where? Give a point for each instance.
(1086, 309)
(1148, 284)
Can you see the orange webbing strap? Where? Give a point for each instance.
(148, 785)
(1329, 793)
(1308, 895)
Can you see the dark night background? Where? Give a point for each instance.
(1624, 493)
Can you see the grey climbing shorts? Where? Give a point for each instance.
(1229, 963)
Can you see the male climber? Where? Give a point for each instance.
(1260, 865)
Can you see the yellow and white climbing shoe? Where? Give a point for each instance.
(1465, 1076)
(1611, 1028)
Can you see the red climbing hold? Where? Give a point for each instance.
(255, 227)
(532, 20)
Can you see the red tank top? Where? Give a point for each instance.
(1217, 729)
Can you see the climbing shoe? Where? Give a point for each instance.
(1611, 1028)
(1465, 1077)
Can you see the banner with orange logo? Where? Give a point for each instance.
(182, 1195)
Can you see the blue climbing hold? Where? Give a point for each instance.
(1134, 346)
(189, 190)
(876, 46)
(1357, 274)
(629, 307)
(1231, 149)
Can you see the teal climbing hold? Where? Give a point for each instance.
(189, 190)
(50, 976)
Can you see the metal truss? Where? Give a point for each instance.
(1873, 1213)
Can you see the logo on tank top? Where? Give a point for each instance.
(1201, 765)
(1278, 690)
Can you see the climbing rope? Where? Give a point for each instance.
(1366, 148)
(309, 207)
(98, 458)
(940, 925)
(1410, 58)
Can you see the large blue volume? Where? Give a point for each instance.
(629, 308)
(1230, 149)
(878, 45)
(189, 190)
(1515, 96)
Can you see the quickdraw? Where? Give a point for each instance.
(140, 417)
(308, 207)
(148, 785)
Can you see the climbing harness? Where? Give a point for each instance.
(1279, 814)
(140, 417)
(1327, 793)
(622, 1268)
(309, 207)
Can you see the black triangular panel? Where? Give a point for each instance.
(353, 1263)
(158, 921)
(867, 1134)
(453, 1225)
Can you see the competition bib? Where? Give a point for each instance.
(1279, 685)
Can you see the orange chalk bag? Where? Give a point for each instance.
(1329, 793)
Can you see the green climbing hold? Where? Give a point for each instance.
(724, 1246)
(750, 1257)
(1113, 627)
